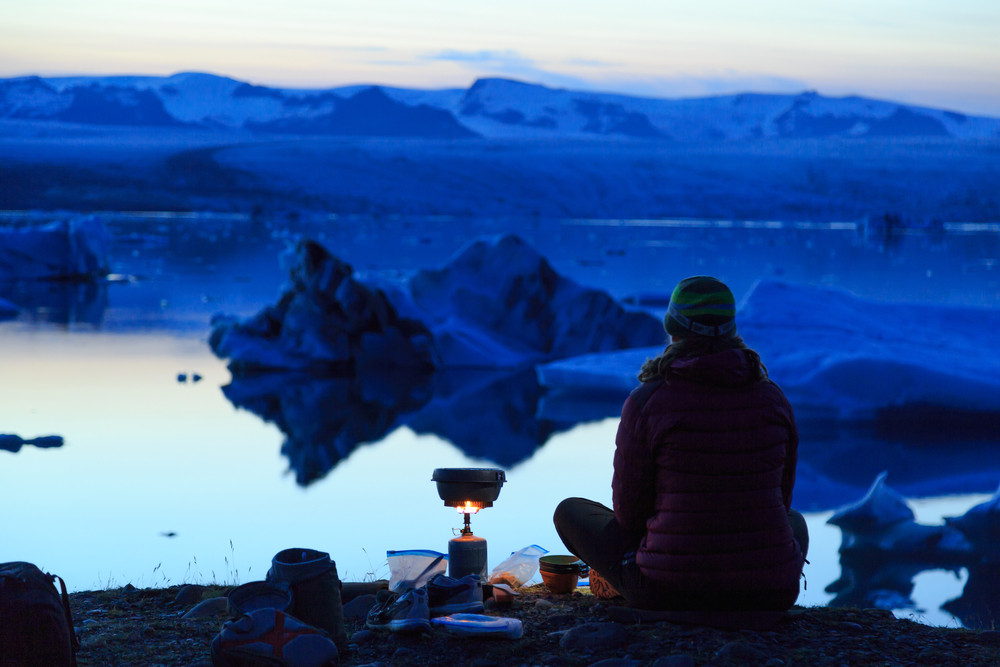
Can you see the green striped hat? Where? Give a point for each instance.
(701, 305)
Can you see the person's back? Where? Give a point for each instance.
(719, 437)
(703, 474)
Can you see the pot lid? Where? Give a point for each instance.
(469, 475)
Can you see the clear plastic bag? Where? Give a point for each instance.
(519, 567)
(413, 568)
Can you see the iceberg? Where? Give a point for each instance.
(340, 361)
(75, 249)
(840, 356)
(326, 322)
(498, 304)
(882, 522)
(884, 548)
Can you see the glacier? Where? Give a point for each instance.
(839, 356)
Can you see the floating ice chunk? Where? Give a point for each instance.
(829, 348)
(838, 355)
(880, 508)
(325, 322)
(75, 249)
(883, 521)
(498, 304)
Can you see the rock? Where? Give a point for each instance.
(206, 608)
(544, 604)
(362, 637)
(485, 662)
(740, 652)
(189, 595)
(359, 606)
(594, 636)
(403, 655)
(562, 620)
(615, 662)
(679, 660)
(880, 614)
(991, 636)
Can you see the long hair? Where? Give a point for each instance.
(697, 346)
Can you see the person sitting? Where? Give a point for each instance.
(704, 468)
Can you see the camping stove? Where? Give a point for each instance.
(468, 490)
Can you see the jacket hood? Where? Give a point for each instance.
(728, 368)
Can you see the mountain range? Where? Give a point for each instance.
(491, 108)
(196, 141)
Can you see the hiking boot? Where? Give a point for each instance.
(400, 613)
(315, 586)
(446, 595)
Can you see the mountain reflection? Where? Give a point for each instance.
(498, 417)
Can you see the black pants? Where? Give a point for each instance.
(591, 533)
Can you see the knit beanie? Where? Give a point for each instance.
(701, 305)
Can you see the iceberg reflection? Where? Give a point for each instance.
(498, 417)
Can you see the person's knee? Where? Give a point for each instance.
(564, 510)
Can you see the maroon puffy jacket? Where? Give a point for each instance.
(704, 469)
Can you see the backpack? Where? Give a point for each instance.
(36, 625)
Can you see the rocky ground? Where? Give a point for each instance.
(146, 627)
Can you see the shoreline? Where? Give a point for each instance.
(130, 626)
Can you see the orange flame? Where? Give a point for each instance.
(468, 508)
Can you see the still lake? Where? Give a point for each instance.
(164, 480)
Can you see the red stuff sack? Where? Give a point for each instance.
(36, 625)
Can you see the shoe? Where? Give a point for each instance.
(446, 595)
(400, 613)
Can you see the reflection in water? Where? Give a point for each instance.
(879, 581)
(884, 548)
(13, 443)
(979, 605)
(61, 302)
(838, 461)
(489, 415)
(503, 418)
(886, 582)
(324, 419)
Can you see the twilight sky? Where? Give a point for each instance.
(932, 52)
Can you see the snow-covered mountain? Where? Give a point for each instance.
(490, 108)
